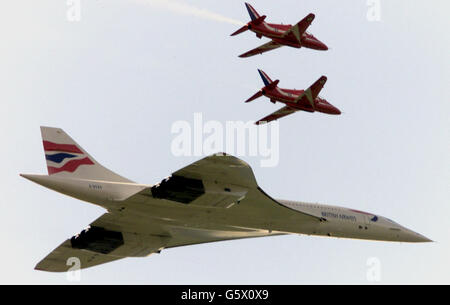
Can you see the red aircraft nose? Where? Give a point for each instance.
(316, 44)
(327, 108)
(330, 109)
(320, 45)
(334, 110)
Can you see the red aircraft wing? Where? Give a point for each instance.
(310, 94)
(262, 49)
(276, 115)
(296, 31)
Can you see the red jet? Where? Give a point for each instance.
(281, 34)
(295, 100)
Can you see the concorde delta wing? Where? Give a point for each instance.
(197, 204)
(64, 258)
(108, 238)
(216, 198)
(222, 168)
(218, 181)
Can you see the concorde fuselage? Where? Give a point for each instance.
(335, 221)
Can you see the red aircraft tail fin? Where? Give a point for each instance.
(255, 96)
(252, 12)
(265, 78)
(272, 85)
(248, 26)
(269, 84)
(256, 19)
(241, 30)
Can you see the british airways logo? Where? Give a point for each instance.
(64, 157)
(59, 157)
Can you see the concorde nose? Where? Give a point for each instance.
(413, 237)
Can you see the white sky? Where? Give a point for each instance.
(119, 78)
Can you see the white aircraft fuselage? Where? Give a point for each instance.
(335, 221)
(216, 198)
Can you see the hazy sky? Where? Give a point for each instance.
(119, 78)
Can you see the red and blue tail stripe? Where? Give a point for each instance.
(50, 146)
(59, 157)
(266, 79)
(63, 152)
(70, 166)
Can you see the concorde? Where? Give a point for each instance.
(216, 198)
